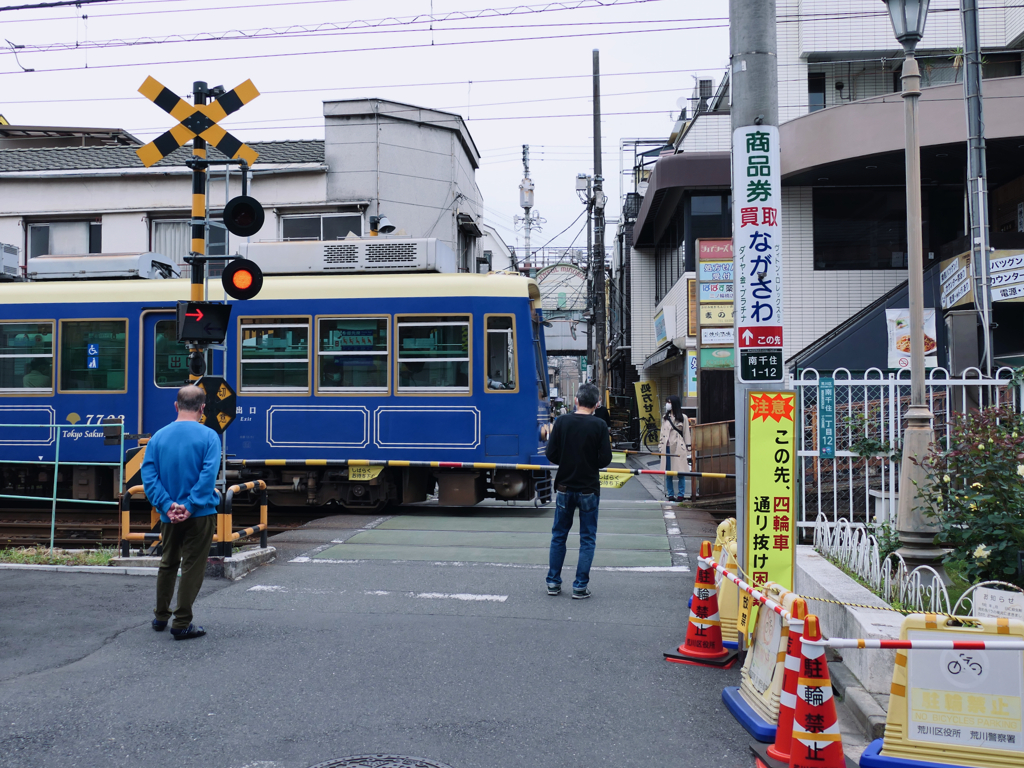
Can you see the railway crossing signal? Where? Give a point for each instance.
(197, 121)
(242, 279)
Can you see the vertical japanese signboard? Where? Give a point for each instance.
(771, 526)
(649, 409)
(757, 245)
(826, 418)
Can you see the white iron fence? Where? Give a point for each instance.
(860, 484)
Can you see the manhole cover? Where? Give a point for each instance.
(380, 761)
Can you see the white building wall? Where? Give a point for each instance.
(815, 302)
(641, 266)
(1014, 24)
(125, 232)
(709, 132)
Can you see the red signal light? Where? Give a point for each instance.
(242, 279)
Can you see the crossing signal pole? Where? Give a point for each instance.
(199, 94)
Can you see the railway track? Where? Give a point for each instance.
(78, 528)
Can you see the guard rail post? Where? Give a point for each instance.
(126, 535)
(226, 536)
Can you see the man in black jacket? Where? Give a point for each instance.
(579, 446)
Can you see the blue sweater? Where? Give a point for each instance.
(181, 466)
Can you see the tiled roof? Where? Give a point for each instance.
(97, 158)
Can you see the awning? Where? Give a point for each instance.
(468, 225)
(663, 354)
(672, 174)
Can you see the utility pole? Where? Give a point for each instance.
(590, 273)
(977, 189)
(526, 199)
(754, 82)
(597, 261)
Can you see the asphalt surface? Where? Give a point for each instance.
(445, 654)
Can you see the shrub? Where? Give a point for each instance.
(975, 489)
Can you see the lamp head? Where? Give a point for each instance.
(908, 18)
(384, 226)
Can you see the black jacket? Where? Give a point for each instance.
(579, 446)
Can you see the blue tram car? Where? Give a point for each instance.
(405, 367)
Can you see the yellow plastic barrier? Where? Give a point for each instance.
(761, 675)
(955, 706)
(724, 551)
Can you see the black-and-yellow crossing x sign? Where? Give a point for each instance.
(197, 121)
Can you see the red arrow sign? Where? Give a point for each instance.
(760, 337)
(198, 315)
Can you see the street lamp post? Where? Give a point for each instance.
(916, 531)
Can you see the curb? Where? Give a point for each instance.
(866, 711)
(108, 569)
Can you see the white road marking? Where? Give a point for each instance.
(670, 515)
(266, 588)
(472, 598)
(647, 568)
(673, 530)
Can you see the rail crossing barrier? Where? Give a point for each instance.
(225, 536)
(951, 703)
(56, 431)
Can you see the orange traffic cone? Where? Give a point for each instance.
(777, 755)
(816, 741)
(703, 644)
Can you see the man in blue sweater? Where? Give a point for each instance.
(179, 474)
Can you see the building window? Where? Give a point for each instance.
(93, 354)
(501, 353)
(170, 362)
(275, 354)
(862, 228)
(352, 354)
(815, 91)
(433, 353)
(26, 357)
(326, 226)
(64, 238)
(173, 239)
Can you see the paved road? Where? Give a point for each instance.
(426, 634)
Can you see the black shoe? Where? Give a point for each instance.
(581, 594)
(554, 589)
(192, 630)
(159, 626)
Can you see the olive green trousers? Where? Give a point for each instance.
(186, 544)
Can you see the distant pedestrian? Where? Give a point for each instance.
(179, 474)
(675, 447)
(579, 446)
(602, 413)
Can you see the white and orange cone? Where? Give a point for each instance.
(777, 755)
(816, 742)
(703, 643)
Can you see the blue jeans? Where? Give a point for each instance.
(670, 482)
(566, 503)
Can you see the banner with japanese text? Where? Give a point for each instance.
(757, 243)
(771, 518)
(649, 409)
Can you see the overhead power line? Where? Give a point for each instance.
(391, 48)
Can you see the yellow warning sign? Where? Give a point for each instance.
(363, 473)
(614, 479)
(224, 392)
(223, 419)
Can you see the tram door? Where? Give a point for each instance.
(164, 370)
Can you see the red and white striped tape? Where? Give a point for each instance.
(759, 596)
(921, 645)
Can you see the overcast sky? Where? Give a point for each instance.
(517, 78)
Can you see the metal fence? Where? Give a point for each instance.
(54, 438)
(861, 483)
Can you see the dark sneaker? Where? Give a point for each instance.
(581, 594)
(159, 626)
(192, 630)
(554, 589)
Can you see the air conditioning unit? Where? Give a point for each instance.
(10, 262)
(100, 266)
(374, 254)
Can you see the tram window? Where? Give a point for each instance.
(353, 354)
(26, 358)
(433, 353)
(501, 353)
(275, 354)
(170, 360)
(93, 354)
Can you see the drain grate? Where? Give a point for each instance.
(380, 761)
